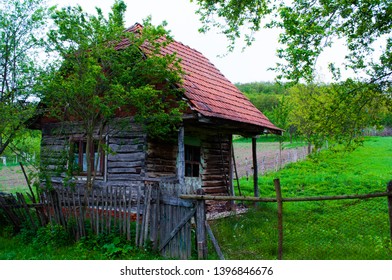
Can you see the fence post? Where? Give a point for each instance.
(389, 190)
(280, 218)
(201, 237)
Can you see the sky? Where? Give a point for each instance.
(250, 65)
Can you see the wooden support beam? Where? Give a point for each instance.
(201, 236)
(255, 168)
(181, 158)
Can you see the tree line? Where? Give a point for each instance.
(336, 112)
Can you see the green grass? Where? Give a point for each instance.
(348, 229)
(53, 243)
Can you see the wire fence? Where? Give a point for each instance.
(355, 229)
(347, 227)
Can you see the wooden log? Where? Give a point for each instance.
(280, 217)
(285, 199)
(129, 157)
(214, 242)
(28, 183)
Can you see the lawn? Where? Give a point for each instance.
(350, 229)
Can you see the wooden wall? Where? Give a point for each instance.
(133, 158)
(215, 159)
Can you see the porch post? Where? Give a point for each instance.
(255, 168)
(181, 158)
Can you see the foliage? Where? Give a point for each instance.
(104, 72)
(54, 243)
(267, 88)
(307, 29)
(337, 113)
(21, 39)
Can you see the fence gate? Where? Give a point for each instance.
(169, 220)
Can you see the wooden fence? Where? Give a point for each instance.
(153, 214)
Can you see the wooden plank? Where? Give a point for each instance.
(138, 208)
(129, 209)
(177, 228)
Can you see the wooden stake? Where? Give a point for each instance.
(280, 218)
(214, 242)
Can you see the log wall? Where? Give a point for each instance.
(215, 159)
(132, 158)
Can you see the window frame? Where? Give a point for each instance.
(81, 143)
(193, 159)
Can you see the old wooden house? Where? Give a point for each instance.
(200, 158)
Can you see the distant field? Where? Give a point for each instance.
(268, 155)
(12, 179)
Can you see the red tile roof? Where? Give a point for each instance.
(210, 93)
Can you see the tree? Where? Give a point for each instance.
(337, 113)
(105, 71)
(308, 28)
(21, 25)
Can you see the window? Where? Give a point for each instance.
(79, 157)
(192, 161)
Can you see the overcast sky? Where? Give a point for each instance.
(250, 65)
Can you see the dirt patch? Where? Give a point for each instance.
(12, 179)
(268, 157)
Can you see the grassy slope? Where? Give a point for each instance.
(349, 229)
